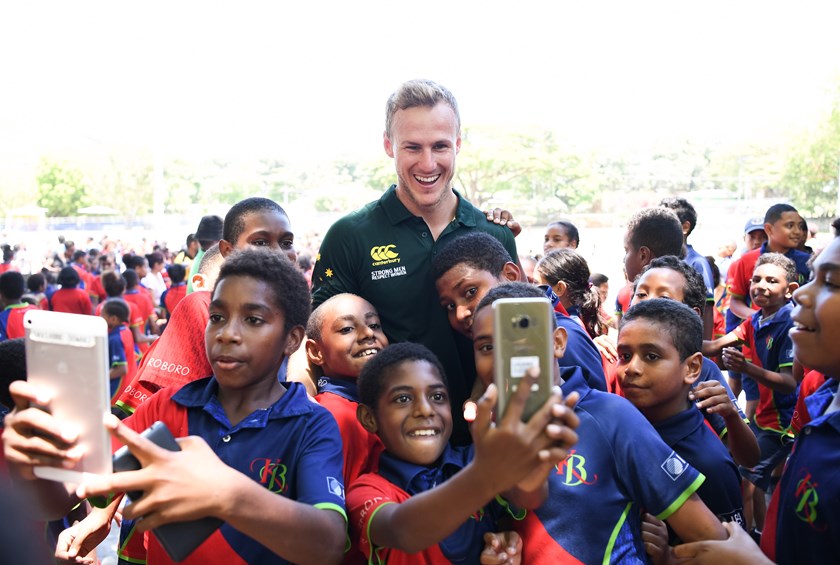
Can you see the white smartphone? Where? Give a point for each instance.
(522, 339)
(67, 355)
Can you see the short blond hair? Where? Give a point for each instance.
(419, 92)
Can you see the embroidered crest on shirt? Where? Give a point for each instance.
(674, 466)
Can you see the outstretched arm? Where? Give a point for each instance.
(172, 483)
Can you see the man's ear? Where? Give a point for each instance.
(386, 142)
(510, 272)
(314, 353)
(366, 418)
(693, 366)
(458, 144)
(790, 289)
(561, 338)
(294, 339)
(225, 247)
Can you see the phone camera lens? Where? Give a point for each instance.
(524, 322)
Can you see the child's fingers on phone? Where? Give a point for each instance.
(484, 410)
(25, 394)
(142, 448)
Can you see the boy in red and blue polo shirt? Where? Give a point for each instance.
(804, 517)
(771, 362)
(404, 399)
(12, 287)
(620, 466)
(266, 460)
(783, 228)
(343, 334)
(172, 296)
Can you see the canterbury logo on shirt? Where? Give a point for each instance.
(383, 252)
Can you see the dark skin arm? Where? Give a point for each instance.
(782, 381)
(741, 441)
(504, 456)
(738, 306)
(712, 348)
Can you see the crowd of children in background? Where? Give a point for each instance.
(641, 448)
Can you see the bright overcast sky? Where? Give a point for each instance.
(309, 81)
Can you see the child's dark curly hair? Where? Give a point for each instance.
(377, 370)
(291, 292)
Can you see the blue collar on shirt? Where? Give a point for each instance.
(345, 388)
(819, 401)
(203, 393)
(573, 380)
(415, 479)
(782, 316)
(679, 426)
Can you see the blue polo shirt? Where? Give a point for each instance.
(292, 448)
(701, 265)
(581, 351)
(711, 372)
(771, 348)
(398, 480)
(619, 467)
(808, 495)
(687, 434)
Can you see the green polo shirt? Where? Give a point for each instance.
(383, 253)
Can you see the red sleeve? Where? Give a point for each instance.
(364, 498)
(180, 356)
(736, 283)
(743, 331)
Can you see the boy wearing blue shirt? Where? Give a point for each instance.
(619, 466)
(659, 360)
(669, 277)
(430, 497)
(266, 458)
(467, 267)
(804, 517)
(766, 335)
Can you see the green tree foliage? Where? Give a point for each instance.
(811, 176)
(62, 189)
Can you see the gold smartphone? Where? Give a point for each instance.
(523, 339)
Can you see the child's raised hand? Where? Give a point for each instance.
(733, 359)
(173, 482)
(606, 345)
(32, 437)
(502, 548)
(76, 543)
(655, 538)
(712, 397)
(512, 449)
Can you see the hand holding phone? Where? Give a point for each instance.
(523, 338)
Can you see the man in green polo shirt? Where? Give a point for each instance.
(383, 252)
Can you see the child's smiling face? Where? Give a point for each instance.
(769, 287)
(413, 416)
(460, 289)
(350, 336)
(245, 337)
(816, 317)
(786, 232)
